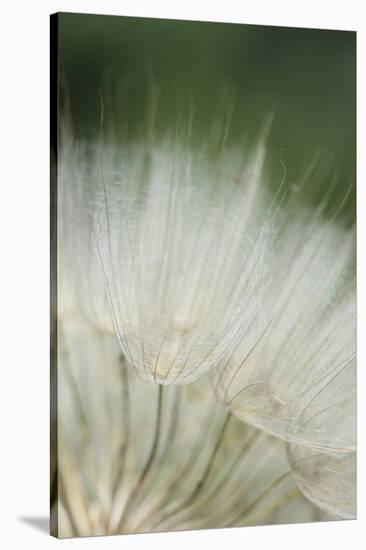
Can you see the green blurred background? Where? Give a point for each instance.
(306, 77)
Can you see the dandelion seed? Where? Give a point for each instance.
(302, 343)
(182, 246)
(294, 374)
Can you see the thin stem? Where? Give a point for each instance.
(249, 507)
(132, 497)
(201, 483)
(187, 467)
(229, 473)
(267, 513)
(122, 453)
(67, 506)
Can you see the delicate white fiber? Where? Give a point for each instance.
(181, 248)
(80, 283)
(294, 370)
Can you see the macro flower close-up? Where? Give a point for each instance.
(204, 332)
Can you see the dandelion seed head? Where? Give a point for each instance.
(174, 266)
